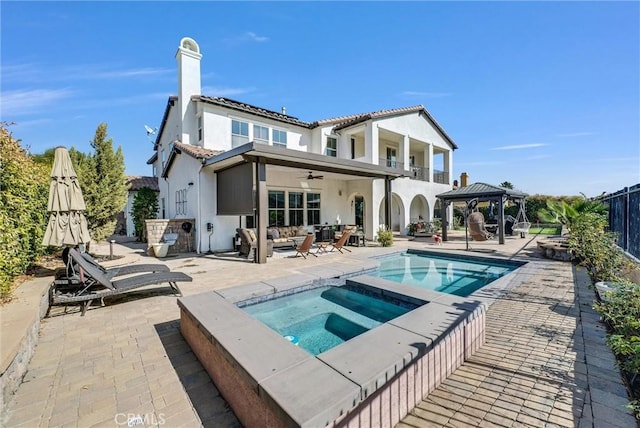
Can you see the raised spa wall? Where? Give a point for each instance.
(374, 379)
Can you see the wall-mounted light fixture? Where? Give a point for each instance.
(190, 183)
(340, 192)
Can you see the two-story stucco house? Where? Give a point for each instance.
(228, 164)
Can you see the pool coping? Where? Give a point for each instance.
(302, 390)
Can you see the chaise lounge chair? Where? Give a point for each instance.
(97, 285)
(304, 249)
(69, 276)
(477, 229)
(340, 243)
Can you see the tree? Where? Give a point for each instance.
(103, 183)
(145, 206)
(506, 185)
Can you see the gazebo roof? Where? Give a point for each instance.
(481, 191)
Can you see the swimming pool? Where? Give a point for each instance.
(452, 274)
(320, 319)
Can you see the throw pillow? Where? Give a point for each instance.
(252, 235)
(274, 232)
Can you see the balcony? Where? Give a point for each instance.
(391, 163)
(419, 173)
(441, 177)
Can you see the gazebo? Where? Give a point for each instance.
(482, 192)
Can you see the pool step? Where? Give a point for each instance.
(381, 311)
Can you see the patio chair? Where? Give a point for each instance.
(249, 241)
(477, 230)
(304, 249)
(98, 286)
(340, 243)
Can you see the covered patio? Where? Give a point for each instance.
(242, 172)
(482, 192)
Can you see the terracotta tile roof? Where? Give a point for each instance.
(137, 182)
(259, 111)
(196, 151)
(346, 121)
(340, 120)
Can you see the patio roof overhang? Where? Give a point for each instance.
(253, 152)
(259, 156)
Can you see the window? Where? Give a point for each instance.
(412, 160)
(391, 157)
(154, 170)
(163, 211)
(276, 208)
(296, 209)
(162, 157)
(313, 208)
(239, 133)
(181, 202)
(199, 128)
(261, 134)
(353, 148)
(332, 147)
(280, 138)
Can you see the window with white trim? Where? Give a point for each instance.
(313, 208)
(239, 133)
(260, 134)
(332, 147)
(296, 208)
(276, 208)
(199, 128)
(280, 138)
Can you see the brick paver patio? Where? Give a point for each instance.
(544, 363)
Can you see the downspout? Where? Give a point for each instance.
(199, 219)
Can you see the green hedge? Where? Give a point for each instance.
(24, 187)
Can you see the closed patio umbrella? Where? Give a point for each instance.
(67, 224)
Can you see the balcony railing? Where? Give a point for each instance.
(391, 163)
(419, 173)
(441, 177)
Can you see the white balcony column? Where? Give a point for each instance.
(448, 164)
(428, 157)
(371, 144)
(404, 147)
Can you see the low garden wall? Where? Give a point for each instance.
(157, 228)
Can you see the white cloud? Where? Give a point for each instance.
(30, 101)
(426, 94)
(479, 163)
(225, 92)
(519, 146)
(575, 134)
(249, 36)
(22, 73)
(135, 72)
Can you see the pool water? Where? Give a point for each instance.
(320, 319)
(456, 275)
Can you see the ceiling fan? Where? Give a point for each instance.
(314, 177)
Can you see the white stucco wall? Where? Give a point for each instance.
(217, 128)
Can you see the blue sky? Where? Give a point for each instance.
(545, 95)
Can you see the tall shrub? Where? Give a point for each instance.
(596, 249)
(103, 183)
(24, 189)
(145, 206)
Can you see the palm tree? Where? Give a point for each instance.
(562, 212)
(506, 185)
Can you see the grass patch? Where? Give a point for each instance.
(545, 230)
